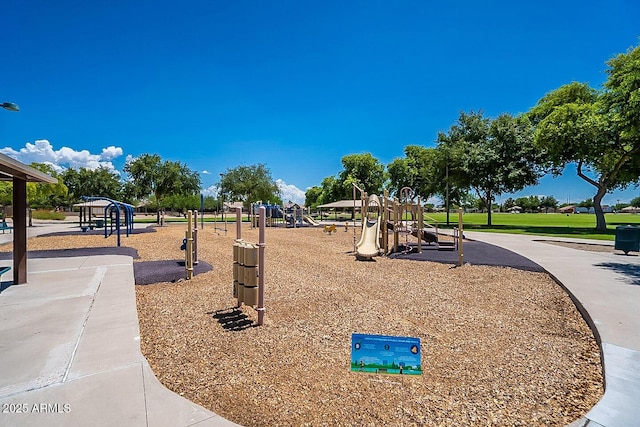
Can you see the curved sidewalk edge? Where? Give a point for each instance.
(70, 351)
(606, 289)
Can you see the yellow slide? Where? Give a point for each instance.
(369, 244)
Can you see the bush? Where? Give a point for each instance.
(42, 214)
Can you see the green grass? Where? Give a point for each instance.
(561, 225)
(48, 215)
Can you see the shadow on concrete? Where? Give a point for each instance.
(630, 271)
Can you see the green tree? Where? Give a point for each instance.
(249, 184)
(313, 197)
(548, 202)
(599, 131)
(422, 170)
(491, 156)
(100, 182)
(153, 178)
(41, 195)
(363, 170)
(635, 201)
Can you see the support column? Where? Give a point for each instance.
(19, 231)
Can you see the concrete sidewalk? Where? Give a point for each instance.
(606, 287)
(70, 351)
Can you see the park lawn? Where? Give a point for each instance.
(553, 224)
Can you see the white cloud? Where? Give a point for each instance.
(290, 192)
(41, 151)
(110, 153)
(206, 172)
(211, 190)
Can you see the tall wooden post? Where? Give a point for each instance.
(261, 246)
(19, 231)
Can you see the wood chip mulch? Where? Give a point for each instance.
(499, 346)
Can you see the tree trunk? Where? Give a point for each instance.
(601, 223)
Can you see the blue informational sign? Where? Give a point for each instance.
(382, 354)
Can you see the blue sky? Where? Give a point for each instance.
(292, 84)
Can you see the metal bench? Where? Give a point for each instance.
(4, 226)
(3, 270)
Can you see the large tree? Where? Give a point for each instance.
(420, 169)
(42, 195)
(599, 131)
(150, 176)
(491, 156)
(364, 170)
(249, 184)
(92, 182)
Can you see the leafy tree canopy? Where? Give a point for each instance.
(150, 176)
(249, 184)
(100, 182)
(363, 170)
(491, 156)
(44, 195)
(597, 130)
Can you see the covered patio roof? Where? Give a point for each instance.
(11, 168)
(20, 174)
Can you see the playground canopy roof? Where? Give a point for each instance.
(97, 204)
(342, 204)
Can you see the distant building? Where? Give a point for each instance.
(605, 209)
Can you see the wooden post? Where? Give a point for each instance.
(195, 237)
(420, 216)
(19, 231)
(261, 258)
(460, 251)
(189, 249)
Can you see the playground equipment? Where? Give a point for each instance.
(369, 244)
(329, 228)
(115, 209)
(403, 217)
(309, 220)
(276, 216)
(248, 266)
(190, 243)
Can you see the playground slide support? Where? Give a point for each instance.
(362, 210)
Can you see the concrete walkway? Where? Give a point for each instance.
(607, 288)
(70, 351)
(70, 346)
